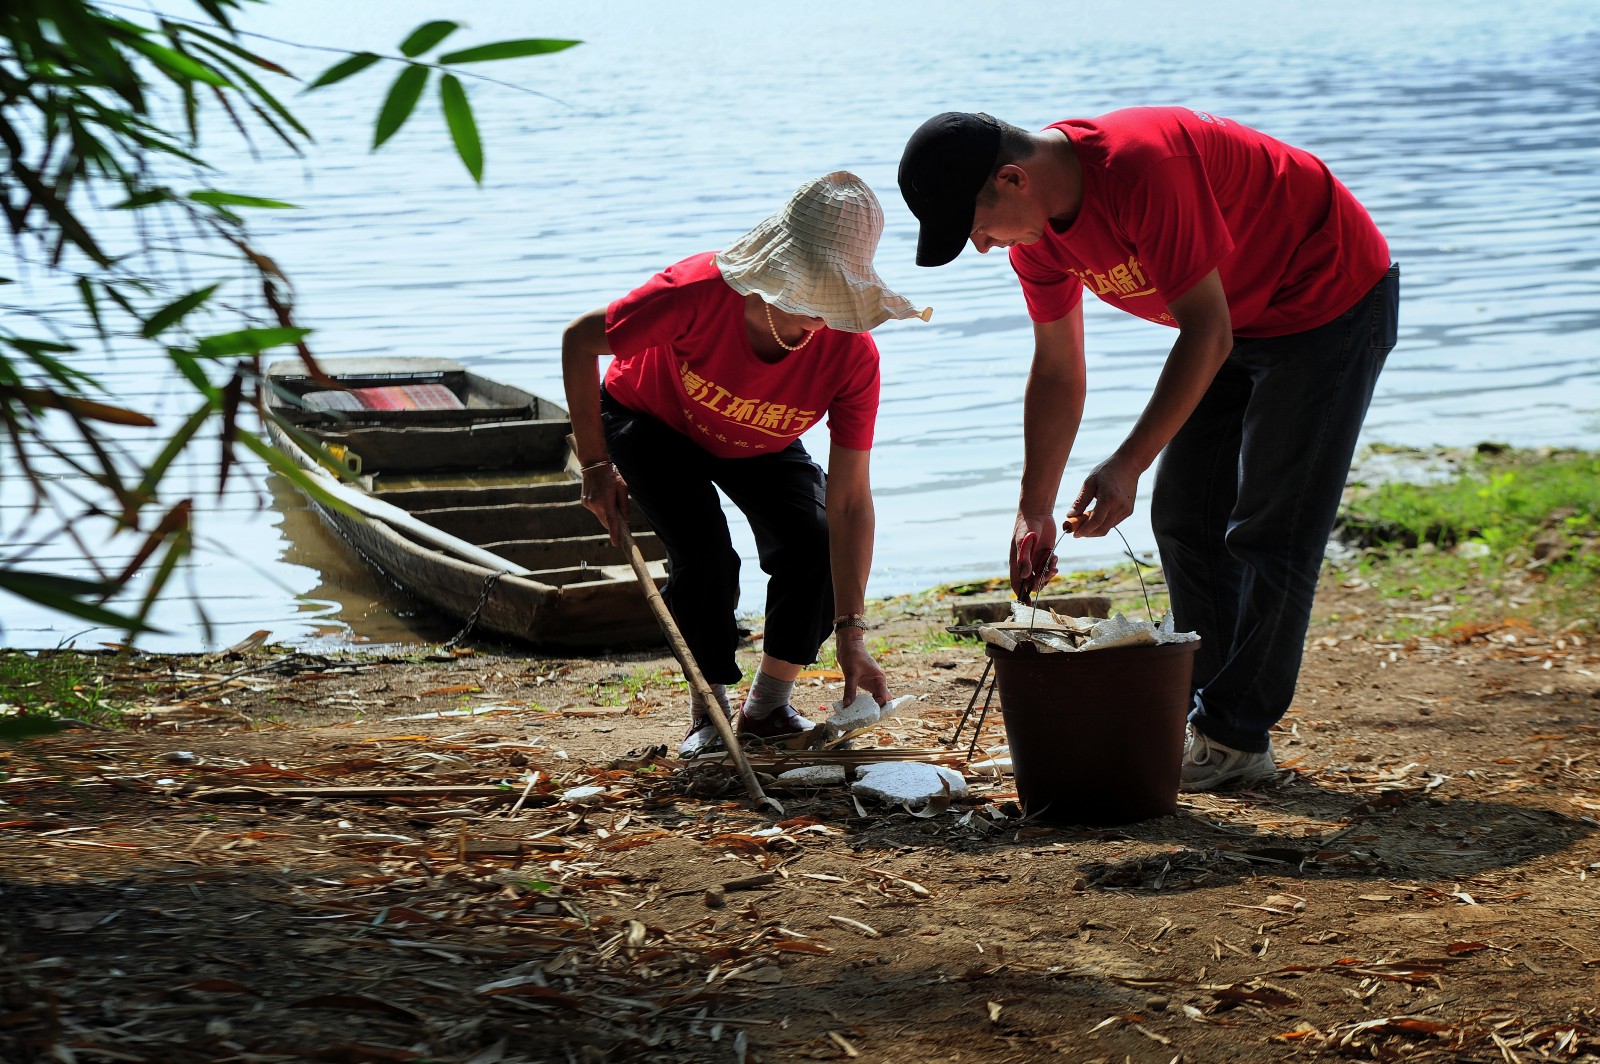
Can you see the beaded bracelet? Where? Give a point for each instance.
(850, 620)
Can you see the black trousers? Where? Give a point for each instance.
(674, 482)
(1245, 496)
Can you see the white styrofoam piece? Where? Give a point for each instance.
(582, 795)
(813, 776)
(1114, 631)
(864, 712)
(1118, 631)
(912, 784)
(1034, 616)
(999, 637)
(995, 766)
(858, 714)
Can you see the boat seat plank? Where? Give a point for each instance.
(486, 524)
(455, 495)
(540, 554)
(423, 448)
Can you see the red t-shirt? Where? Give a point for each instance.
(1169, 194)
(683, 357)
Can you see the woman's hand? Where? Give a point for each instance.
(605, 494)
(861, 673)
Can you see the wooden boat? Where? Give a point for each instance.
(467, 497)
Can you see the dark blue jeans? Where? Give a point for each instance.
(1245, 498)
(674, 481)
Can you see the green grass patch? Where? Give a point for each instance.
(626, 688)
(52, 685)
(1513, 534)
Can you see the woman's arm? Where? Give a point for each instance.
(605, 493)
(851, 523)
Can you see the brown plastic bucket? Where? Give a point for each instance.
(1096, 736)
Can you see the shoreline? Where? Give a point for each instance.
(504, 848)
(1374, 464)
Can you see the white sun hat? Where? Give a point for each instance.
(814, 257)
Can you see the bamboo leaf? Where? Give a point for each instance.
(65, 585)
(213, 198)
(27, 726)
(174, 523)
(243, 53)
(344, 68)
(82, 409)
(33, 347)
(190, 367)
(69, 377)
(507, 50)
(177, 550)
(175, 63)
(191, 112)
(290, 469)
(92, 304)
(174, 312)
(214, 9)
(247, 341)
(260, 92)
(399, 104)
(463, 127)
(63, 594)
(426, 36)
(143, 198)
(180, 439)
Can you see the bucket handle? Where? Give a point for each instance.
(1128, 550)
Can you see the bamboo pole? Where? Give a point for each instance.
(691, 672)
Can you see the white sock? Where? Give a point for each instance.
(701, 710)
(767, 695)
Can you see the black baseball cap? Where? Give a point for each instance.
(945, 164)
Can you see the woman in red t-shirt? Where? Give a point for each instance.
(719, 363)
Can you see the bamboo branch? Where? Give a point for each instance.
(691, 672)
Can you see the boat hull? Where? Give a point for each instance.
(479, 520)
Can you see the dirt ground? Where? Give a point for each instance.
(1423, 881)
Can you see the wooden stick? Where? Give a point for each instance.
(691, 672)
(252, 794)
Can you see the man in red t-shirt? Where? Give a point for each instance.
(1284, 299)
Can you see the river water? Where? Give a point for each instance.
(1469, 128)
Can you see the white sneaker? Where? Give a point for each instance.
(701, 738)
(1209, 765)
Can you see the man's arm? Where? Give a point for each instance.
(1205, 338)
(851, 524)
(1052, 407)
(605, 493)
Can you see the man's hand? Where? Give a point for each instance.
(1033, 561)
(1112, 487)
(605, 494)
(861, 673)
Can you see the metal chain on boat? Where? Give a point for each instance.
(483, 599)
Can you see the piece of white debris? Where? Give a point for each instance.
(813, 776)
(1058, 634)
(864, 712)
(994, 766)
(583, 795)
(1119, 631)
(912, 784)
